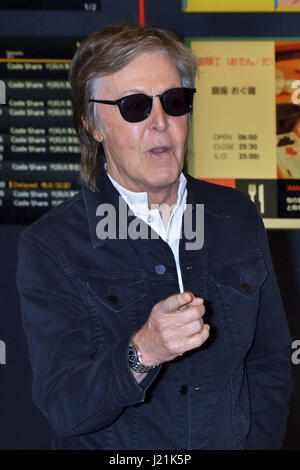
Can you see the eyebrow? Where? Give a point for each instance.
(134, 90)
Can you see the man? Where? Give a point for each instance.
(149, 339)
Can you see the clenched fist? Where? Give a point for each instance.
(175, 325)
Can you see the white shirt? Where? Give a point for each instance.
(138, 203)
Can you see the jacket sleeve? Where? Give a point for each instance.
(78, 389)
(269, 363)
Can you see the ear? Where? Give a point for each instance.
(97, 134)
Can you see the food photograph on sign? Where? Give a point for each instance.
(288, 109)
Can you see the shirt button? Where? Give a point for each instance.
(183, 389)
(149, 218)
(160, 269)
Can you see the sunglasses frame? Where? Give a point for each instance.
(118, 102)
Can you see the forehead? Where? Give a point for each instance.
(150, 72)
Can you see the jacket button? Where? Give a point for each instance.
(160, 269)
(246, 287)
(183, 389)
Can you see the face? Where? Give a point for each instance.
(147, 155)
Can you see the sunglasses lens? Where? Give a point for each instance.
(135, 108)
(178, 101)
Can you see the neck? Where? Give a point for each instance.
(165, 196)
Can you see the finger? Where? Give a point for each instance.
(174, 302)
(192, 328)
(198, 339)
(195, 301)
(196, 311)
(188, 315)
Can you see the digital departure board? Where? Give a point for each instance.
(39, 149)
(51, 5)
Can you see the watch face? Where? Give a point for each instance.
(132, 356)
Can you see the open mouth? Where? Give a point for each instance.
(160, 151)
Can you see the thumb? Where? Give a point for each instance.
(176, 301)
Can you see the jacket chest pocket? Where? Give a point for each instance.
(118, 295)
(239, 287)
(115, 305)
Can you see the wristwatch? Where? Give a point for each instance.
(135, 359)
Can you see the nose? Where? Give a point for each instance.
(158, 119)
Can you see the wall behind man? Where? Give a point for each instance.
(21, 424)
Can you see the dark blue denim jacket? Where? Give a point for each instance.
(82, 298)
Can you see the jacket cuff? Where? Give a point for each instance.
(132, 391)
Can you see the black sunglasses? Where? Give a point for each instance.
(137, 107)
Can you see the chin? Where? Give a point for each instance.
(163, 179)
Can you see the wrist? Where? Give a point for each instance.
(135, 358)
(146, 351)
